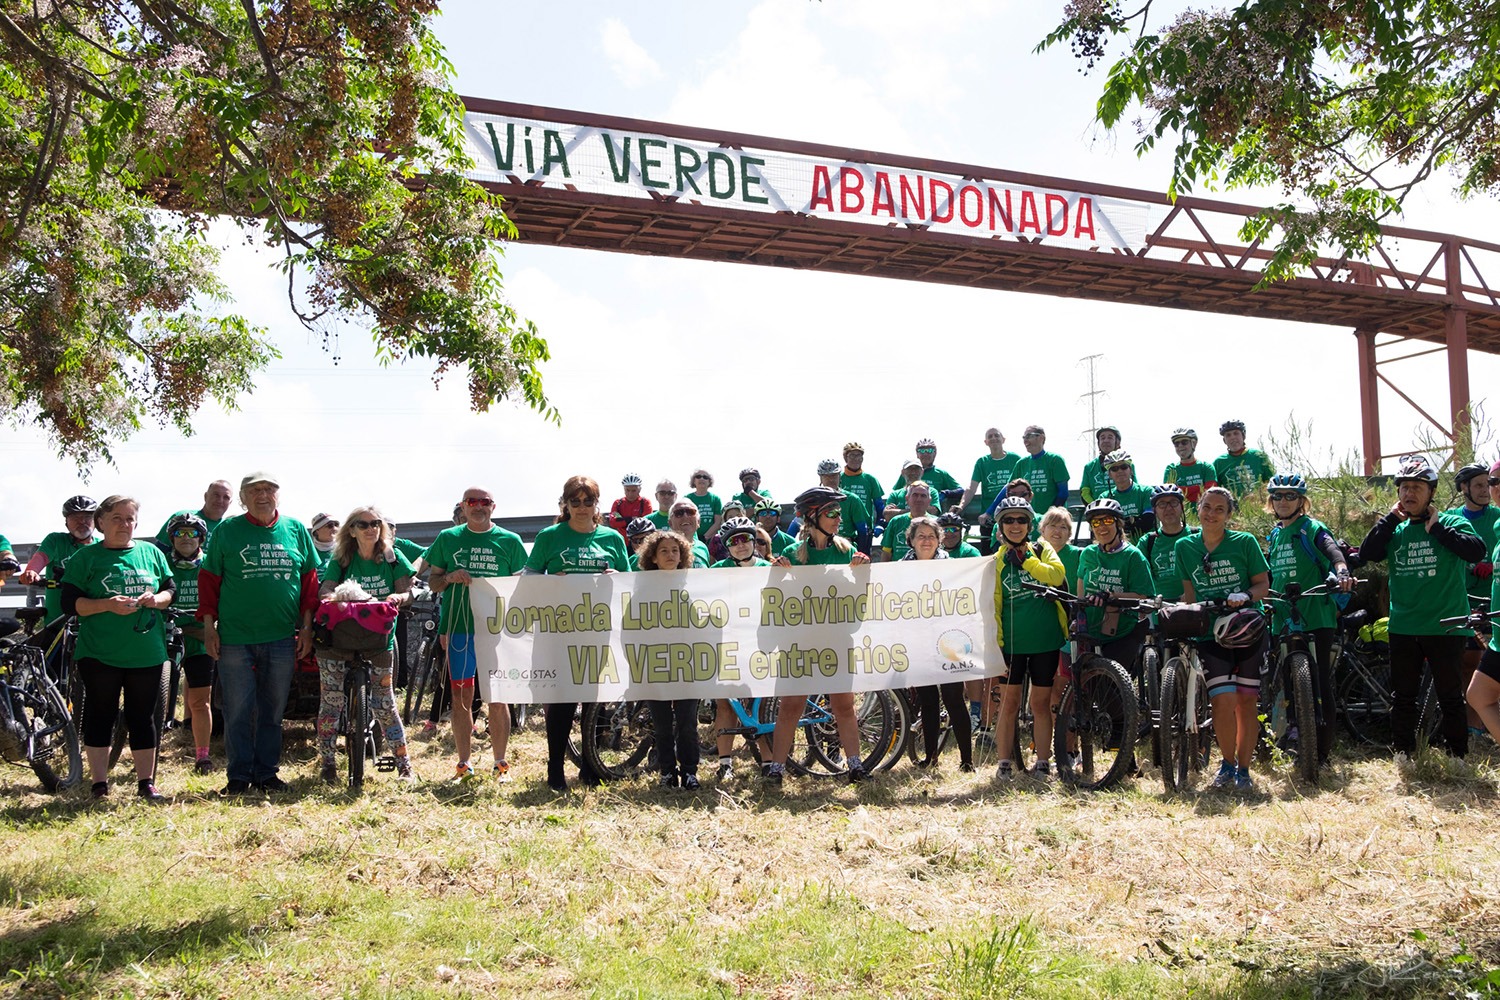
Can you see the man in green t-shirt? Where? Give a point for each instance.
(666, 495)
(865, 488)
(911, 472)
(893, 543)
(476, 548)
(6, 553)
(685, 519)
(940, 481)
(1095, 481)
(1133, 498)
(216, 500)
(991, 474)
(768, 516)
(1240, 469)
(257, 590)
(1473, 484)
(1047, 473)
(50, 560)
(1187, 472)
(750, 492)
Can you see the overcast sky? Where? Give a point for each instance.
(663, 365)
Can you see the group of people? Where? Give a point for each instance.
(245, 589)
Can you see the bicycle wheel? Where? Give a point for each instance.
(875, 718)
(799, 759)
(424, 695)
(617, 737)
(158, 718)
(356, 730)
(1151, 689)
(1364, 698)
(1185, 752)
(1430, 716)
(903, 736)
(52, 750)
(1299, 676)
(1098, 709)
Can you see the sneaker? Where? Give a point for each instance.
(967, 767)
(204, 766)
(235, 787)
(724, 773)
(557, 783)
(272, 784)
(501, 771)
(100, 790)
(429, 727)
(690, 782)
(329, 773)
(668, 781)
(1242, 782)
(1042, 770)
(463, 772)
(1403, 761)
(403, 768)
(771, 775)
(984, 740)
(1291, 738)
(147, 790)
(1005, 771)
(1226, 775)
(858, 774)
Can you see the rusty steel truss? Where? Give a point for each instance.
(1427, 291)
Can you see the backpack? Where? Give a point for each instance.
(1305, 540)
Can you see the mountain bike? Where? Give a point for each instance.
(1362, 679)
(1186, 738)
(1292, 673)
(364, 739)
(35, 725)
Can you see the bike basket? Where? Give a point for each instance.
(1184, 621)
(353, 626)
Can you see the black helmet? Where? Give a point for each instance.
(1164, 491)
(1468, 472)
(1416, 469)
(639, 526)
(1104, 505)
(749, 471)
(736, 526)
(80, 505)
(951, 519)
(809, 502)
(1231, 425)
(188, 520)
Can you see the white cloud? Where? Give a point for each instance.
(629, 61)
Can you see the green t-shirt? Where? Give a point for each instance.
(1045, 472)
(744, 498)
(1427, 580)
(261, 570)
(934, 477)
(992, 475)
(894, 539)
(1229, 570)
(5, 544)
(59, 547)
(1243, 472)
(660, 518)
(1096, 482)
(709, 507)
(161, 533)
(410, 549)
(1292, 563)
(1124, 570)
(1483, 522)
(852, 513)
(377, 578)
(829, 556)
(1134, 502)
(864, 487)
(186, 601)
(780, 542)
(731, 564)
(1160, 550)
(963, 550)
(110, 638)
(701, 556)
(1029, 622)
(1193, 478)
(497, 552)
(1069, 554)
(1495, 599)
(560, 549)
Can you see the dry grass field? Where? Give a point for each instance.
(1378, 883)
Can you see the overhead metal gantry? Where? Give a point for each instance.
(1417, 293)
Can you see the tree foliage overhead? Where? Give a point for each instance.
(326, 128)
(1344, 104)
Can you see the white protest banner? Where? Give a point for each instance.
(637, 164)
(732, 633)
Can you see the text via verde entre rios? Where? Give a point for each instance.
(659, 662)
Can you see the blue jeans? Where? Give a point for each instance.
(254, 681)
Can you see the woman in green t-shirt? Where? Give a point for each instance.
(675, 721)
(924, 541)
(818, 544)
(710, 507)
(742, 539)
(577, 542)
(114, 588)
(363, 552)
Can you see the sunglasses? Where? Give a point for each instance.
(950, 530)
(696, 478)
(187, 533)
(926, 451)
(1033, 435)
(1119, 468)
(1106, 519)
(1285, 497)
(684, 513)
(830, 511)
(365, 525)
(1494, 481)
(582, 501)
(741, 540)
(1012, 520)
(478, 502)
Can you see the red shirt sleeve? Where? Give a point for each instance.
(309, 602)
(208, 594)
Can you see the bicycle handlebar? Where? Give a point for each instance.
(1473, 619)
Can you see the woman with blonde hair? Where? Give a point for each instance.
(364, 553)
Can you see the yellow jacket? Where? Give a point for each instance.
(1044, 566)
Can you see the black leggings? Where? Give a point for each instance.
(676, 725)
(1444, 654)
(102, 685)
(559, 724)
(1126, 649)
(952, 696)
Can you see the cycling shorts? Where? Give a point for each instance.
(1041, 668)
(199, 670)
(1232, 670)
(462, 666)
(1489, 665)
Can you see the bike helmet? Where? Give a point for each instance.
(188, 521)
(1416, 469)
(80, 505)
(730, 505)
(1239, 629)
(1231, 425)
(1117, 457)
(1102, 507)
(639, 527)
(1164, 491)
(1014, 503)
(1468, 472)
(1287, 482)
(1184, 434)
(853, 446)
(926, 443)
(828, 467)
(736, 526)
(765, 507)
(953, 519)
(1112, 429)
(809, 502)
(749, 470)
(631, 479)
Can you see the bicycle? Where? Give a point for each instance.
(364, 739)
(1292, 671)
(1186, 739)
(1097, 715)
(1362, 680)
(35, 725)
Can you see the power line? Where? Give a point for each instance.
(1092, 360)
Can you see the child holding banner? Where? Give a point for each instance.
(675, 722)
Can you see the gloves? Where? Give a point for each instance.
(1484, 570)
(1015, 555)
(1238, 597)
(1095, 600)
